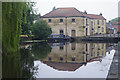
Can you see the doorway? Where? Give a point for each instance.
(61, 32)
(73, 33)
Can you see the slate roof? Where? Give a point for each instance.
(69, 66)
(63, 66)
(70, 12)
(64, 12)
(94, 16)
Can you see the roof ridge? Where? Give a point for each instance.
(49, 12)
(95, 14)
(66, 8)
(79, 11)
(71, 11)
(59, 8)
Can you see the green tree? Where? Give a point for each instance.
(11, 25)
(28, 18)
(115, 20)
(12, 17)
(41, 29)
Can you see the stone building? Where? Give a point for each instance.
(117, 26)
(72, 22)
(110, 28)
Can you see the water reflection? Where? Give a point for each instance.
(20, 64)
(45, 60)
(11, 66)
(41, 50)
(94, 69)
(70, 56)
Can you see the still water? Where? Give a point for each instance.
(60, 60)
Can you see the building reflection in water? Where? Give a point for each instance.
(71, 56)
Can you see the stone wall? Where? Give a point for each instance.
(78, 27)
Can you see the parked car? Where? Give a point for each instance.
(58, 36)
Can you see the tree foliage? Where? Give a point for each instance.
(115, 20)
(12, 18)
(41, 29)
(11, 25)
(27, 18)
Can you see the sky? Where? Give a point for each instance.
(109, 8)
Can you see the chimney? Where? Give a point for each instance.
(54, 8)
(100, 14)
(85, 12)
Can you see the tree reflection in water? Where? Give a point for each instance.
(31, 53)
(21, 64)
(11, 65)
(41, 50)
(27, 63)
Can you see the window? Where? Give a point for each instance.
(102, 29)
(61, 47)
(61, 32)
(97, 53)
(61, 58)
(102, 53)
(98, 30)
(61, 20)
(73, 20)
(98, 22)
(73, 46)
(92, 54)
(50, 58)
(98, 46)
(49, 20)
(86, 22)
(99, 26)
(73, 59)
(91, 23)
(92, 29)
(92, 46)
(83, 26)
(102, 22)
(102, 46)
(73, 33)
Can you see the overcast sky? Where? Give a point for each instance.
(109, 8)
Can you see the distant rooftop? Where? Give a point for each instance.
(109, 25)
(116, 23)
(70, 12)
(94, 16)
